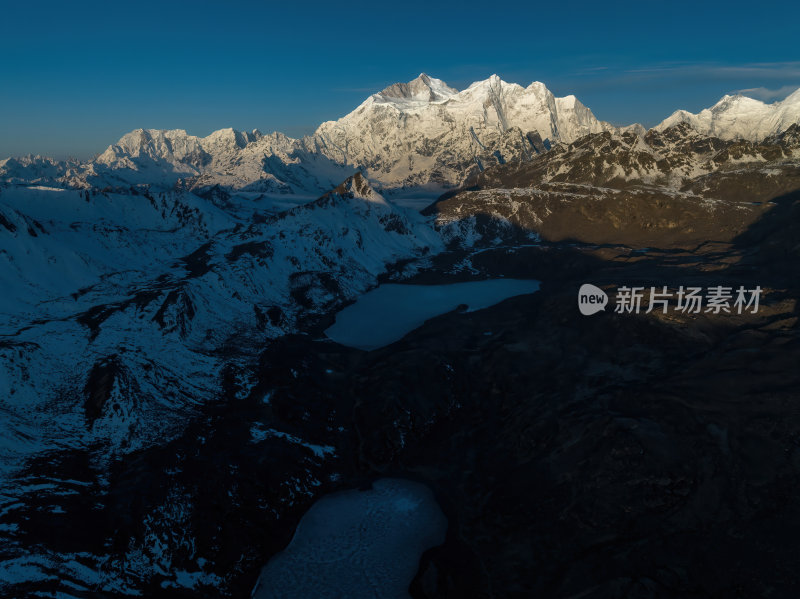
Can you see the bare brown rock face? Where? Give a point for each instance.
(674, 189)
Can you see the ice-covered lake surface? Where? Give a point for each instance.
(390, 311)
(357, 544)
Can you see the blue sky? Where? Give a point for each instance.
(76, 76)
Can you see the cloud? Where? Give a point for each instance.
(766, 95)
(763, 80)
(761, 70)
(361, 90)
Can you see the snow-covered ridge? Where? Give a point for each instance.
(124, 313)
(176, 146)
(423, 133)
(126, 281)
(426, 132)
(420, 133)
(740, 117)
(423, 89)
(32, 169)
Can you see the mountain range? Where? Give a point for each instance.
(419, 134)
(740, 117)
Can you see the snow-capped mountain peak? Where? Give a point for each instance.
(358, 187)
(740, 117)
(229, 137)
(34, 169)
(425, 132)
(422, 89)
(421, 133)
(174, 147)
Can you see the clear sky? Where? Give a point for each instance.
(76, 76)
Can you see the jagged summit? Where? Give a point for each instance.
(357, 184)
(425, 132)
(492, 80)
(740, 117)
(230, 136)
(421, 89)
(422, 133)
(34, 169)
(175, 143)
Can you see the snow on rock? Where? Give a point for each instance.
(409, 135)
(424, 131)
(32, 169)
(121, 307)
(740, 117)
(124, 314)
(423, 89)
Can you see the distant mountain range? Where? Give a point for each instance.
(740, 117)
(423, 133)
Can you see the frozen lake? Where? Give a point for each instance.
(357, 544)
(390, 311)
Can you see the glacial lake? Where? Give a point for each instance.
(389, 312)
(357, 544)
